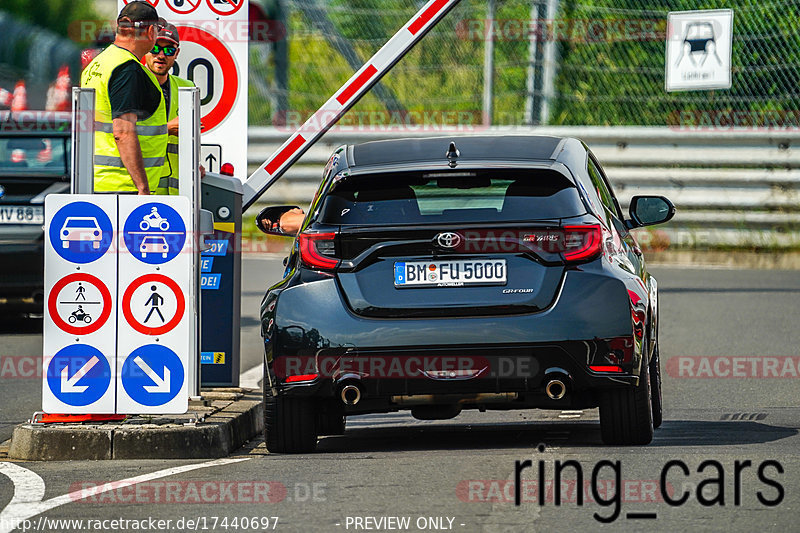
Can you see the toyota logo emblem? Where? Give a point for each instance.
(448, 239)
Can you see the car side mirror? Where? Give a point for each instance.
(649, 210)
(267, 219)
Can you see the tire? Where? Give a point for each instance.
(163, 225)
(626, 415)
(289, 424)
(72, 319)
(655, 387)
(143, 225)
(87, 319)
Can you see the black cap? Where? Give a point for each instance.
(168, 31)
(137, 14)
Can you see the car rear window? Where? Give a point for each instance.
(451, 197)
(33, 154)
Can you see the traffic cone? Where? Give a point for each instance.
(58, 98)
(5, 97)
(19, 102)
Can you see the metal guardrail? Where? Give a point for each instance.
(732, 188)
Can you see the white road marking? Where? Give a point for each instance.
(250, 378)
(570, 414)
(29, 490)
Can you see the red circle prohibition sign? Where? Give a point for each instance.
(153, 3)
(149, 278)
(225, 13)
(230, 73)
(52, 301)
(185, 11)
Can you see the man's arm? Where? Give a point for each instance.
(172, 126)
(129, 150)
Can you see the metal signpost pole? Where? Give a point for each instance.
(189, 186)
(82, 157)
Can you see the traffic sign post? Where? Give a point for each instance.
(155, 280)
(80, 313)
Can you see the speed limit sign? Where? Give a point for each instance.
(213, 54)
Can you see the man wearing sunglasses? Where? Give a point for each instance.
(130, 115)
(160, 60)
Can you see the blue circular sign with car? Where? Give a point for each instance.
(81, 232)
(154, 233)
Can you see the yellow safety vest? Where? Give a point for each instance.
(169, 181)
(110, 175)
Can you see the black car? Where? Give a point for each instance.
(443, 274)
(34, 162)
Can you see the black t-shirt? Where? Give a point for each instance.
(165, 88)
(131, 90)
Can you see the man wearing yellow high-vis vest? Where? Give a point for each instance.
(130, 117)
(159, 61)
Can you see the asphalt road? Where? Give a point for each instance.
(736, 434)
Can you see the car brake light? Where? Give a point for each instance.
(301, 377)
(316, 249)
(582, 243)
(605, 368)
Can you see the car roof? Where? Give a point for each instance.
(470, 148)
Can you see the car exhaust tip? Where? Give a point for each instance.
(350, 394)
(555, 389)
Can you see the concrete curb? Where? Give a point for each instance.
(216, 436)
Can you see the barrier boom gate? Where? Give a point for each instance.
(228, 199)
(346, 97)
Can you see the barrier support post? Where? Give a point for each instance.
(82, 156)
(189, 186)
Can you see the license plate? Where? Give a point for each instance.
(11, 214)
(443, 273)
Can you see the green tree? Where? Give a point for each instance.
(58, 16)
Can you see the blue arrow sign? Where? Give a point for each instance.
(152, 375)
(154, 233)
(81, 232)
(78, 375)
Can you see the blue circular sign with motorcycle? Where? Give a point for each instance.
(154, 233)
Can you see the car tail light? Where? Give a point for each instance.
(582, 243)
(605, 368)
(301, 377)
(317, 250)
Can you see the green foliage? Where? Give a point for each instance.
(610, 67)
(54, 15)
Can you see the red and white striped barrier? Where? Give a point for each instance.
(347, 96)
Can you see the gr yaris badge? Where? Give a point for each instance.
(448, 239)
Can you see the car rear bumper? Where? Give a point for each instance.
(498, 354)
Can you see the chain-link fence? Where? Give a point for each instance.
(594, 62)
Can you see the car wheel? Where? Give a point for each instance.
(655, 386)
(626, 415)
(289, 424)
(96, 245)
(65, 244)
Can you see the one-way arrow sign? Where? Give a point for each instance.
(153, 381)
(68, 384)
(161, 385)
(77, 379)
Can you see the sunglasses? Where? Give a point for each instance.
(169, 51)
